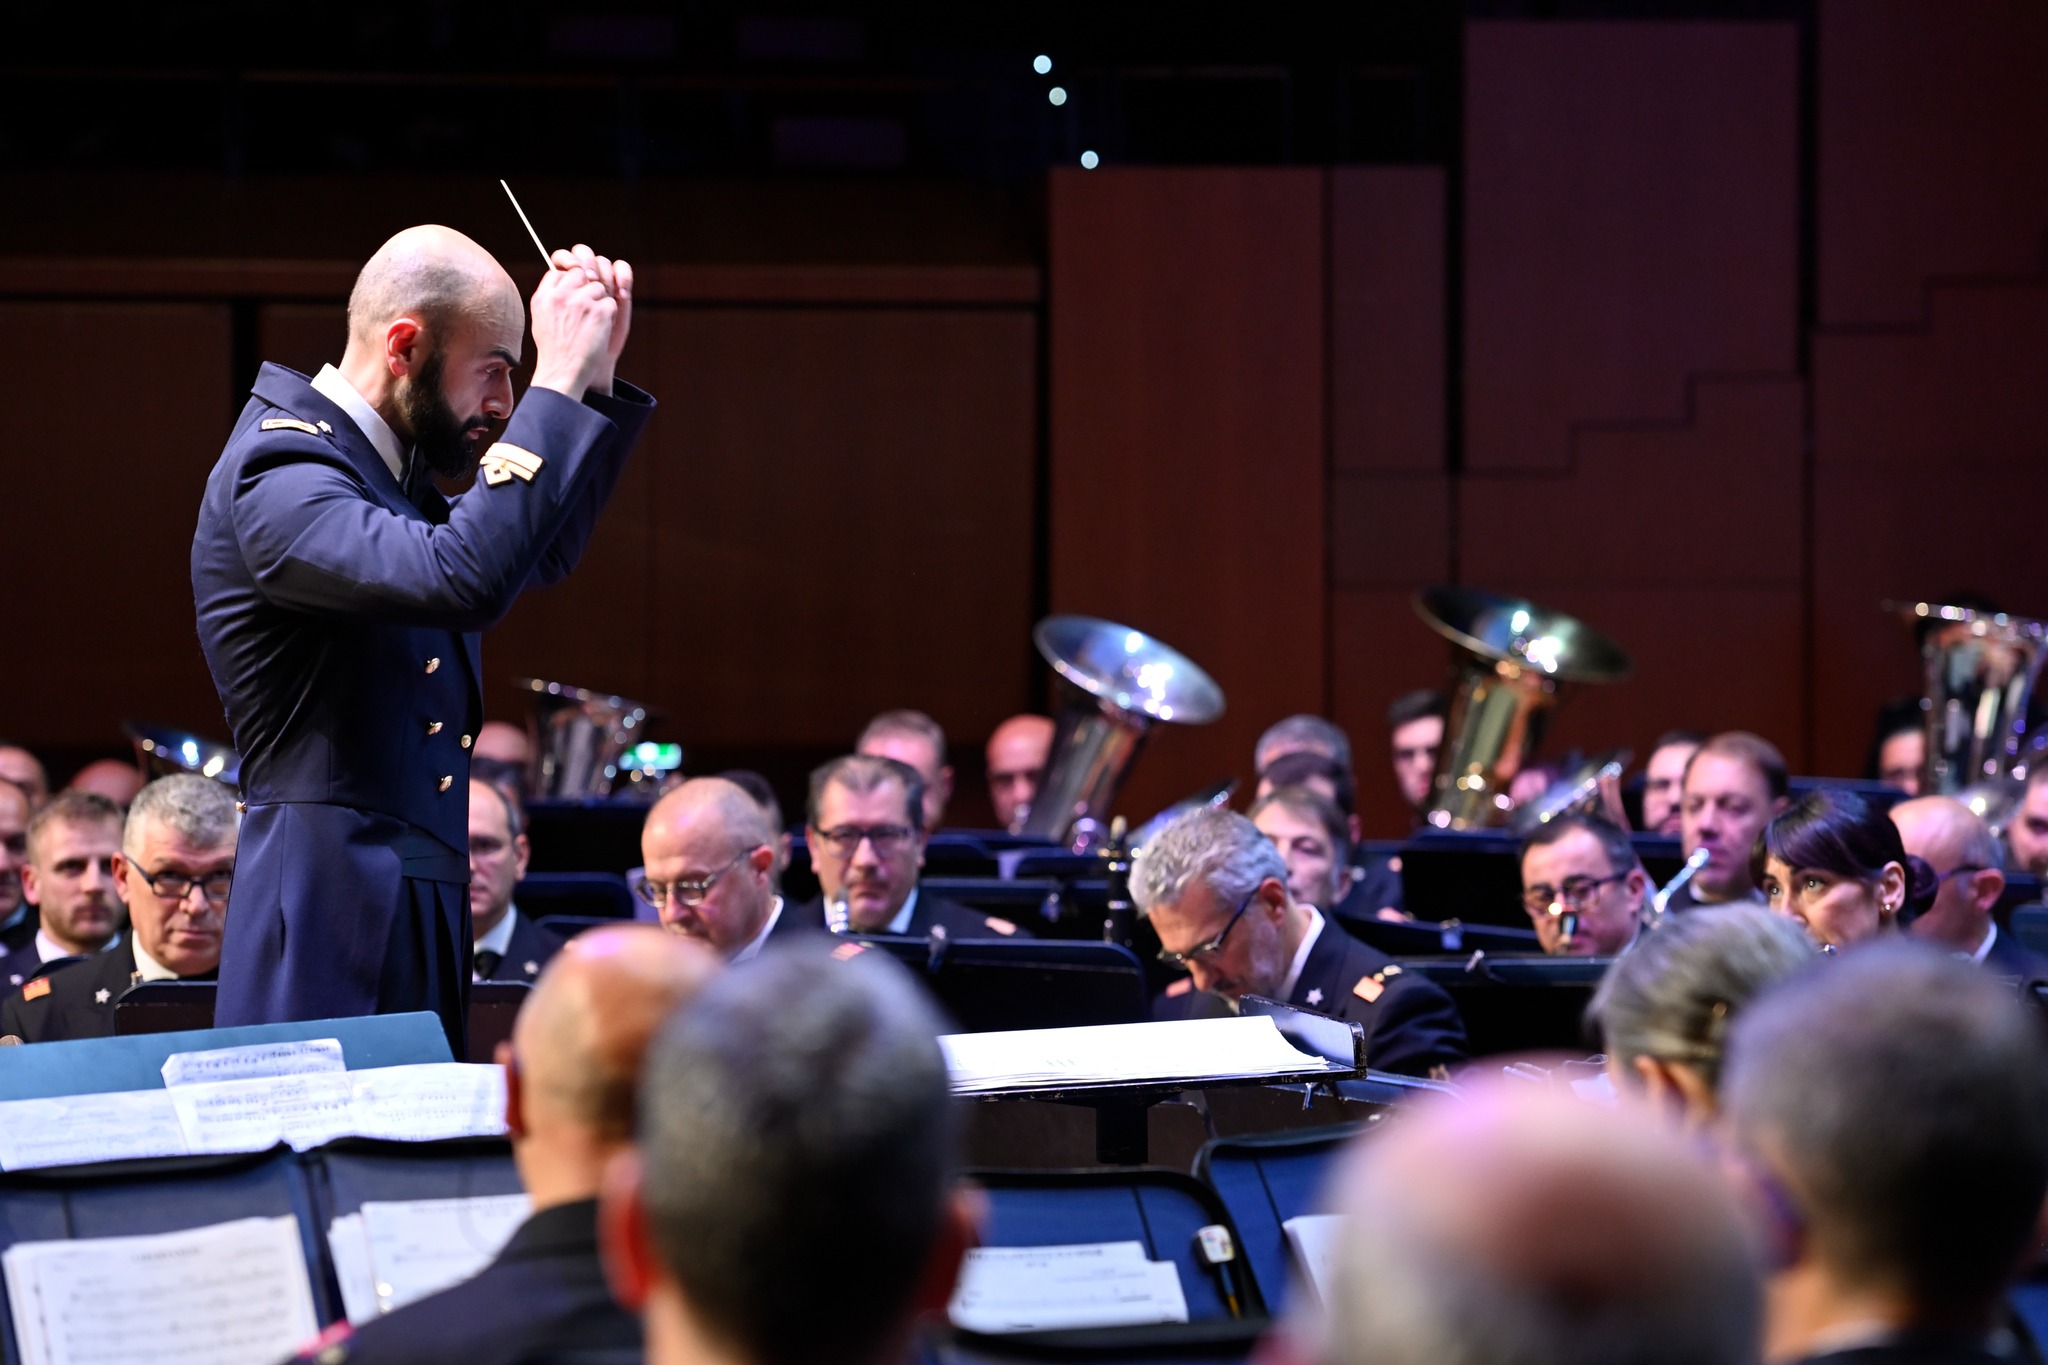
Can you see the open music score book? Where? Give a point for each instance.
(1313, 1237)
(1177, 1050)
(1043, 1289)
(393, 1252)
(231, 1294)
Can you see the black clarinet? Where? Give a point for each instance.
(1120, 925)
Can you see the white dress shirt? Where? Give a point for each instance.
(330, 385)
(753, 949)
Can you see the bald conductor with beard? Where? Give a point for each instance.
(341, 597)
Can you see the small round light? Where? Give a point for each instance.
(1058, 94)
(1042, 64)
(1089, 161)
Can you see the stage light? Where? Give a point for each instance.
(1089, 161)
(1058, 94)
(1042, 64)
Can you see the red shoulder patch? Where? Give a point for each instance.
(36, 989)
(1182, 986)
(1001, 926)
(849, 950)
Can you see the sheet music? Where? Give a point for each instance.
(70, 1130)
(1245, 1045)
(1314, 1238)
(248, 1116)
(420, 1246)
(429, 1100)
(258, 1059)
(1039, 1289)
(231, 1294)
(349, 1244)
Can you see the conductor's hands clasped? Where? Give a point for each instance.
(581, 314)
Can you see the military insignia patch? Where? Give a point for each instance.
(1182, 986)
(289, 424)
(36, 989)
(504, 462)
(1001, 926)
(1369, 989)
(849, 950)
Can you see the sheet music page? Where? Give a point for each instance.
(69, 1130)
(1314, 1238)
(420, 1246)
(258, 1059)
(1176, 1050)
(1039, 1289)
(429, 1100)
(349, 1244)
(231, 1294)
(248, 1116)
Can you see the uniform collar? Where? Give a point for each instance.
(148, 968)
(499, 940)
(1984, 948)
(753, 950)
(1308, 943)
(49, 950)
(330, 384)
(901, 924)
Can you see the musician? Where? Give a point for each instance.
(1314, 840)
(1369, 885)
(1901, 746)
(1955, 842)
(340, 597)
(915, 740)
(25, 770)
(1582, 869)
(1415, 723)
(709, 852)
(1734, 784)
(1839, 867)
(2026, 831)
(867, 846)
(507, 744)
(73, 843)
(763, 792)
(1215, 889)
(1302, 734)
(1664, 780)
(1016, 756)
(173, 870)
(18, 922)
(509, 946)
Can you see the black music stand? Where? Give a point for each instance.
(1266, 1180)
(1518, 1004)
(1414, 938)
(991, 985)
(493, 1009)
(182, 1006)
(90, 1066)
(594, 895)
(584, 836)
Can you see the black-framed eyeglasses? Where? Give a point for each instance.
(845, 840)
(1575, 891)
(1961, 870)
(1203, 951)
(175, 886)
(686, 893)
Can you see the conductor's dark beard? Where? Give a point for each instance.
(448, 443)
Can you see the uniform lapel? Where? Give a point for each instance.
(292, 391)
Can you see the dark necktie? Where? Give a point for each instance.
(487, 963)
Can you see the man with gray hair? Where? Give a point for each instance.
(1570, 1235)
(1892, 1110)
(915, 740)
(794, 1196)
(176, 863)
(1215, 890)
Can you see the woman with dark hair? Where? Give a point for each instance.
(1837, 866)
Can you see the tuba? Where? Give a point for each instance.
(1980, 672)
(578, 738)
(1115, 684)
(1518, 660)
(161, 751)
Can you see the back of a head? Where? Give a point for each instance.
(1901, 1098)
(1521, 1226)
(1302, 734)
(799, 1147)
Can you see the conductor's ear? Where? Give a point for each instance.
(629, 1266)
(402, 338)
(959, 1232)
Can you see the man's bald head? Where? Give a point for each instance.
(436, 276)
(1572, 1233)
(712, 802)
(708, 849)
(1945, 832)
(583, 1033)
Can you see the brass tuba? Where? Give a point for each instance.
(578, 736)
(1115, 684)
(161, 751)
(1980, 672)
(1518, 659)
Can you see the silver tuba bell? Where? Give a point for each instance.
(578, 736)
(1518, 659)
(1980, 672)
(1115, 684)
(161, 751)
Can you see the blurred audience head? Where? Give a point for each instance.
(73, 842)
(915, 740)
(1892, 1111)
(1302, 734)
(1664, 780)
(1571, 1235)
(1314, 839)
(502, 742)
(1215, 889)
(14, 815)
(114, 778)
(1837, 865)
(763, 792)
(1583, 886)
(1899, 749)
(1734, 783)
(709, 852)
(1017, 754)
(2026, 832)
(1665, 1007)
(793, 1196)
(1959, 847)
(498, 854)
(25, 770)
(1415, 724)
(865, 836)
(176, 866)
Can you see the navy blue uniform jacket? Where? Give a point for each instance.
(340, 614)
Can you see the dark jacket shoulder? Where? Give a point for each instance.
(528, 951)
(74, 1000)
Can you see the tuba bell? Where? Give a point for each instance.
(578, 737)
(1980, 671)
(1115, 684)
(1518, 660)
(161, 751)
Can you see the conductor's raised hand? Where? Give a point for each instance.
(617, 278)
(575, 311)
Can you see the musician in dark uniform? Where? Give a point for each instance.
(340, 598)
(510, 946)
(866, 837)
(176, 864)
(18, 919)
(1215, 889)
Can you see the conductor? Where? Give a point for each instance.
(340, 599)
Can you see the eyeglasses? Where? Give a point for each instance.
(845, 840)
(1205, 951)
(1575, 891)
(658, 894)
(1961, 870)
(175, 886)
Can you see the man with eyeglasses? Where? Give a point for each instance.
(1583, 887)
(508, 945)
(866, 839)
(67, 878)
(710, 857)
(173, 869)
(1964, 853)
(18, 922)
(1215, 890)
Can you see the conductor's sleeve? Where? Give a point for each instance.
(627, 408)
